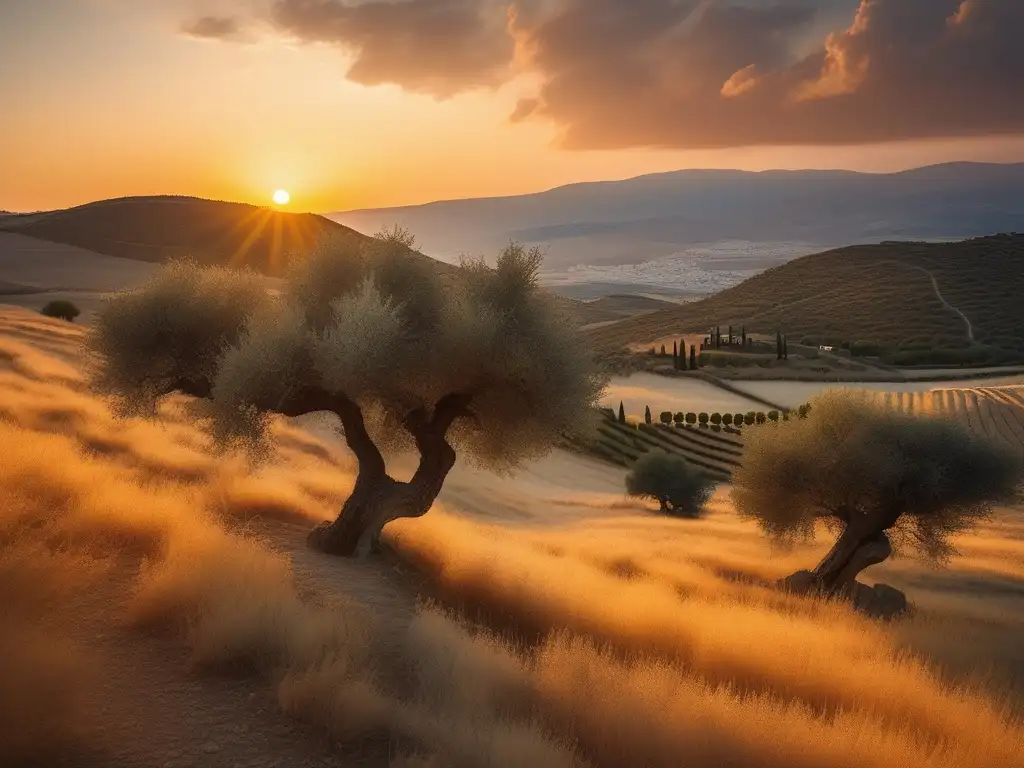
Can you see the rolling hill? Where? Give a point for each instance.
(910, 298)
(155, 230)
(158, 229)
(662, 215)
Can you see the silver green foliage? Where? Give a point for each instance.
(854, 460)
(380, 325)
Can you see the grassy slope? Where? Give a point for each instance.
(872, 293)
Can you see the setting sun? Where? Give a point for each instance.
(282, 197)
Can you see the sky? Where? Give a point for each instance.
(369, 103)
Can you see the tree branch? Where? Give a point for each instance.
(304, 401)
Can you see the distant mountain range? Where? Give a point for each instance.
(655, 216)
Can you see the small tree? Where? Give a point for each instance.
(737, 419)
(761, 418)
(622, 413)
(727, 419)
(749, 418)
(870, 473)
(61, 309)
(691, 418)
(803, 411)
(703, 419)
(647, 414)
(490, 367)
(665, 417)
(679, 419)
(669, 479)
(716, 419)
(773, 415)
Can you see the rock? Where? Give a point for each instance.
(880, 601)
(801, 583)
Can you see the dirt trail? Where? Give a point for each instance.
(940, 297)
(147, 707)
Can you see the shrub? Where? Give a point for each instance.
(666, 417)
(737, 419)
(716, 418)
(773, 416)
(61, 309)
(727, 419)
(691, 418)
(761, 418)
(703, 419)
(679, 488)
(803, 411)
(870, 471)
(679, 419)
(749, 418)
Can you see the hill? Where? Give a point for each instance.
(158, 229)
(662, 215)
(916, 301)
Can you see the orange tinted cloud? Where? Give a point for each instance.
(694, 74)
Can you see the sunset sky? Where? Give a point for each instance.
(386, 102)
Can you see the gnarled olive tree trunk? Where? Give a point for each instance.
(863, 543)
(377, 498)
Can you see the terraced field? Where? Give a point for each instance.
(714, 453)
(993, 412)
(996, 413)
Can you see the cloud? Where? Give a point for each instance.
(215, 28)
(716, 74)
(440, 47)
(687, 73)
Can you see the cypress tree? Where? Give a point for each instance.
(675, 355)
(647, 414)
(682, 355)
(693, 358)
(778, 345)
(744, 336)
(718, 337)
(785, 348)
(662, 350)
(622, 413)
(730, 336)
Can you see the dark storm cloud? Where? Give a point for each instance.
(432, 46)
(214, 28)
(715, 74)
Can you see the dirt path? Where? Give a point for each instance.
(940, 297)
(149, 708)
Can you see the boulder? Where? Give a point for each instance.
(880, 601)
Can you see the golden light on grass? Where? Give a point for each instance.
(282, 197)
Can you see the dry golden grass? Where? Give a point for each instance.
(614, 638)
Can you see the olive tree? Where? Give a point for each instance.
(478, 362)
(878, 477)
(678, 487)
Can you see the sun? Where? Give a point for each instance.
(282, 197)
